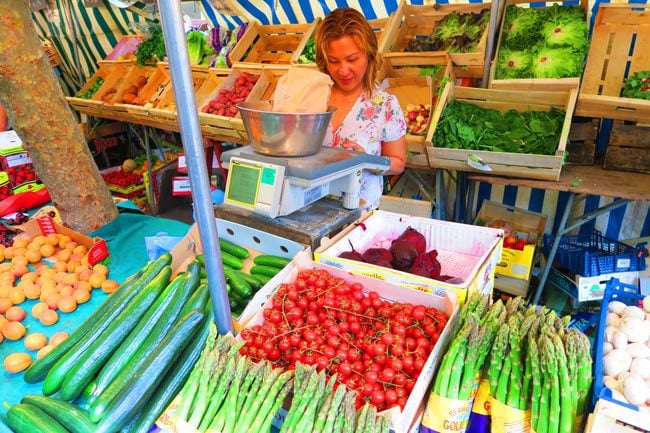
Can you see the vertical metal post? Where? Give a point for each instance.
(179, 64)
(489, 49)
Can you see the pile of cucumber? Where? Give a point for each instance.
(126, 362)
(242, 286)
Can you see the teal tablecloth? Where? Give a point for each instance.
(125, 238)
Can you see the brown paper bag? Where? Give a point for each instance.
(302, 90)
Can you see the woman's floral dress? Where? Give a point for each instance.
(369, 123)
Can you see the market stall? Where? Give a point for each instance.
(287, 307)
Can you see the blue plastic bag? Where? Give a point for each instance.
(160, 244)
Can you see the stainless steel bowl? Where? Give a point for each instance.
(283, 134)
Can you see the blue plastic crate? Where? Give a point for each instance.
(629, 295)
(593, 254)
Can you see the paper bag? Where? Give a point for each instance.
(302, 90)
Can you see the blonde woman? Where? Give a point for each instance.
(367, 119)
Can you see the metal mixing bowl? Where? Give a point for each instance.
(283, 134)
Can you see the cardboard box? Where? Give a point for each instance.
(516, 222)
(588, 288)
(44, 225)
(256, 241)
(468, 253)
(401, 421)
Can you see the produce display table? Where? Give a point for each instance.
(125, 239)
(307, 226)
(579, 181)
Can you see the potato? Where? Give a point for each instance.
(17, 362)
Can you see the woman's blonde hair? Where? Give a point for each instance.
(348, 22)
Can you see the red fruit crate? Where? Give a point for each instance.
(5, 188)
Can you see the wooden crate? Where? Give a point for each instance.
(583, 134)
(233, 123)
(103, 72)
(276, 44)
(203, 79)
(129, 81)
(543, 167)
(629, 147)
(409, 22)
(543, 84)
(620, 46)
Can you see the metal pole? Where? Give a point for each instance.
(179, 65)
(489, 49)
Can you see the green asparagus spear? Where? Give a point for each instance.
(533, 354)
(566, 393)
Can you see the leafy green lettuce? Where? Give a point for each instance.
(513, 64)
(556, 63)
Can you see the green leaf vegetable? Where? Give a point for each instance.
(456, 33)
(152, 48)
(467, 126)
(555, 39)
(638, 86)
(309, 53)
(556, 63)
(513, 64)
(198, 48)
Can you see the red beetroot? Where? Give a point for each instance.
(351, 255)
(414, 238)
(427, 265)
(404, 254)
(376, 255)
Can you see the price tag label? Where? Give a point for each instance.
(181, 186)
(182, 163)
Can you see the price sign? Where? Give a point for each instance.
(244, 183)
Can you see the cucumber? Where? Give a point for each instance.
(271, 260)
(177, 291)
(39, 369)
(145, 381)
(161, 329)
(71, 417)
(252, 280)
(234, 304)
(84, 368)
(233, 248)
(197, 300)
(25, 418)
(99, 322)
(194, 270)
(238, 284)
(269, 271)
(230, 260)
(263, 278)
(170, 386)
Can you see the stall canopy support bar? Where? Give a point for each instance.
(179, 64)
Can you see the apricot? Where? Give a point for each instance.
(17, 362)
(35, 341)
(38, 308)
(46, 250)
(58, 338)
(100, 269)
(13, 331)
(15, 314)
(109, 286)
(5, 304)
(44, 351)
(81, 295)
(17, 296)
(96, 280)
(48, 317)
(67, 303)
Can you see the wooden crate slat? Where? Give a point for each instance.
(641, 57)
(618, 55)
(503, 158)
(283, 42)
(557, 99)
(247, 39)
(436, 161)
(276, 57)
(277, 29)
(595, 66)
(581, 147)
(628, 148)
(616, 108)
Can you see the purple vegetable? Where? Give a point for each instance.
(404, 253)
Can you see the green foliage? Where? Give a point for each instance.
(638, 86)
(513, 64)
(556, 38)
(467, 126)
(556, 63)
(456, 33)
(152, 48)
(309, 53)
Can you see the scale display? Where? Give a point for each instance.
(244, 183)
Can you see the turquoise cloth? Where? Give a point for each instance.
(125, 238)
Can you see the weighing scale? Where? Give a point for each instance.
(274, 186)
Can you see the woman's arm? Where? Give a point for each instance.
(396, 151)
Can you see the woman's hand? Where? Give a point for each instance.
(351, 145)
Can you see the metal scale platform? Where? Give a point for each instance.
(274, 186)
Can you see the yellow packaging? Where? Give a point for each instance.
(506, 419)
(444, 415)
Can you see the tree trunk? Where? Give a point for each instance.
(40, 114)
